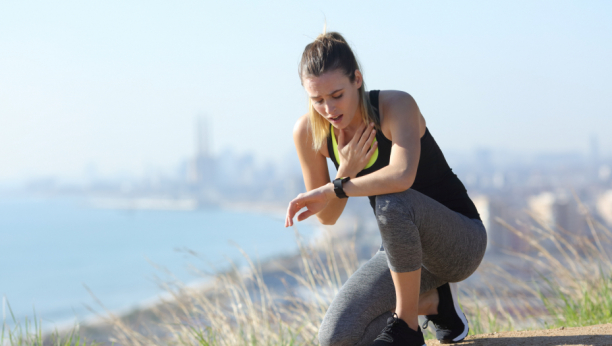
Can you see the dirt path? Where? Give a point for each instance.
(598, 335)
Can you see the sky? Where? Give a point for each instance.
(118, 85)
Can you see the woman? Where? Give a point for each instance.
(432, 236)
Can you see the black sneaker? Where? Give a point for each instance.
(450, 322)
(398, 333)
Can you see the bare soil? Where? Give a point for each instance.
(598, 335)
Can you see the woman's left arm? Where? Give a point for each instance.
(403, 119)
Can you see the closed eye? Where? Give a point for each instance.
(318, 102)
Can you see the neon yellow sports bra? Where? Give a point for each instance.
(335, 144)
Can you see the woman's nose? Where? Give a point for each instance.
(330, 107)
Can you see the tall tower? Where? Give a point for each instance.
(594, 148)
(203, 140)
(594, 162)
(203, 168)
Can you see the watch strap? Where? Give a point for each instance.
(338, 187)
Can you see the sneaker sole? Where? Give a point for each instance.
(453, 289)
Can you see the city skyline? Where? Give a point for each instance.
(114, 88)
(189, 167)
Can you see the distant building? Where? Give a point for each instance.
(594, 150)
(541, 208)
(558, 210)
(201, 171)
(567, 214)
(604, 173)
(499, 238)
(604, 207)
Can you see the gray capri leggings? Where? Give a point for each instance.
(417, 232)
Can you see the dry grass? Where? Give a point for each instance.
(239, 308)
(30, 332)
(570, 284)
(571, 287)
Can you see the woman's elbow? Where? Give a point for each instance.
(327, 222)
(405, 181)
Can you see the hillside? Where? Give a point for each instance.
(598, 335)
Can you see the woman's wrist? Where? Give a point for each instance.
(328, 190)
(343, 174)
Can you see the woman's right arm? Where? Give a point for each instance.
(314, 170)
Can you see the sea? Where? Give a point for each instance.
(64, 261)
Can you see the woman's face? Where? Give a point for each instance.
(334, 96)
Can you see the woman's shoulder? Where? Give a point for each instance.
(303, 137)
(394, 98)
(396, 105)
(301, 126)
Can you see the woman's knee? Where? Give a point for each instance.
(368, 293)
(396, 205)
(332, 333)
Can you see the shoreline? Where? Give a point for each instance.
(96, 325)
(146, 306)
(76, 312)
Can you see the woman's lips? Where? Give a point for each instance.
(337, 119)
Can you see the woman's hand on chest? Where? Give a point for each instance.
(355, 153)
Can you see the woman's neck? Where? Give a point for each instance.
(352, 128)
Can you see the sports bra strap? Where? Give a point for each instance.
(374, 102)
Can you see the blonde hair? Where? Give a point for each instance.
(330, 52)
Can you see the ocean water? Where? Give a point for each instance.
(50, 249)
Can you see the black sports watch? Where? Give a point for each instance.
(338, 182)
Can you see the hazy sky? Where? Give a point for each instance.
(119, 84)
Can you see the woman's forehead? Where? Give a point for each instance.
(326, 83)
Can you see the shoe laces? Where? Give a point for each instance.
(426, 324)
(386, 334)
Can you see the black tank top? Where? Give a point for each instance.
(434, 178)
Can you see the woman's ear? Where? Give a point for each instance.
(358, 78)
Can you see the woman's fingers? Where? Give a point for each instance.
(371, 152)
(310, 202)
(290, 213)
(358, 134)
(314, 200)
(366, 139)
(287, 216)
(369, 139)
(306, 214)
(355, 152)
(366, 142)
(294, 207)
